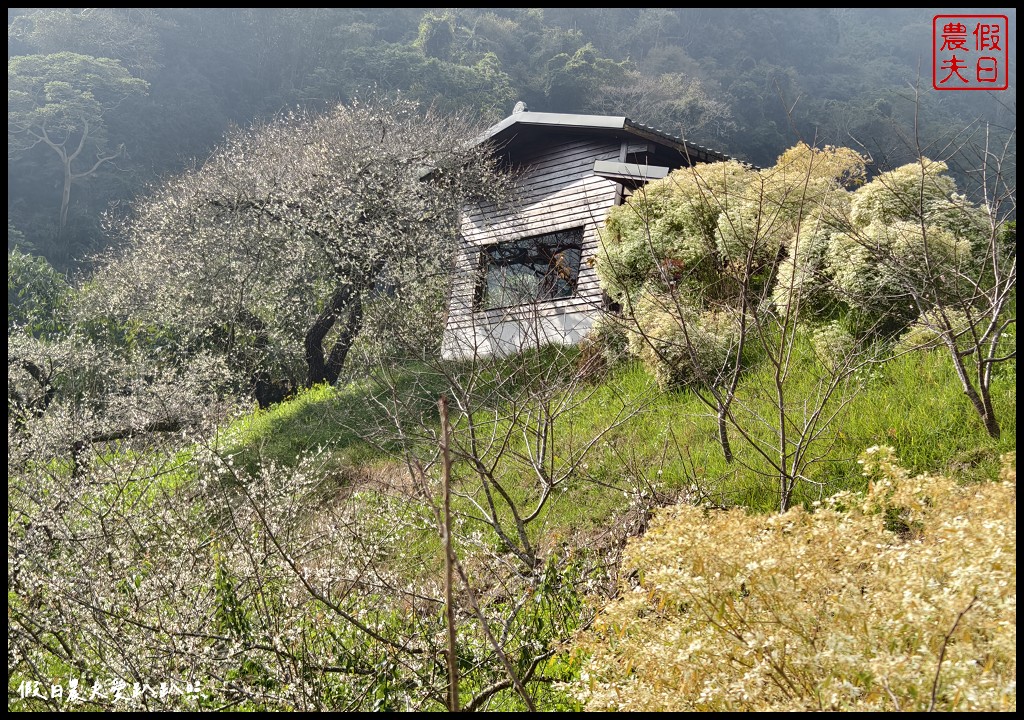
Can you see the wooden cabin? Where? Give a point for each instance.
(524, 277)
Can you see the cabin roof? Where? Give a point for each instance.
(525, 127)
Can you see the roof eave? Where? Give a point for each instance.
(694, 153)
(567, 120)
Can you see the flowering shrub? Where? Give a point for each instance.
(909, 235)
(873, 266)
(680, 344)
(804, 279)
(674, 221)
(715, 234)
(901, 598)
(926, 331)
(832, 344)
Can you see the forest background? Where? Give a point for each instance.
(159, 87)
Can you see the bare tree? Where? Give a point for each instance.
(941, 261)
(698, 262)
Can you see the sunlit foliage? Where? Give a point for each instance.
(902, 598)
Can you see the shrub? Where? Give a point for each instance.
(38, 297)
(832, 344)
(603, 347)
(911, 239)
(669, 230)
(925, 333)
(682, 345)
(804, 281)
(902, 598)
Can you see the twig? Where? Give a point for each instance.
(942, 652)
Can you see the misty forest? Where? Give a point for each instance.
(251, 467)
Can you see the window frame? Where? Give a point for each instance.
(561, 240)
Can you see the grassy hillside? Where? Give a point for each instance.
(912, 403)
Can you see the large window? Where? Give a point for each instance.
(542, 267)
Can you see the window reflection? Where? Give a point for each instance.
(542, 267)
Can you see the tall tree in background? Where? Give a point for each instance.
(61, 101)
(131, 36)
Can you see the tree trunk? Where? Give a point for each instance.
(449, 573)
(786, 485)
(982, 406)
(326, 368)
(989, 416)
(65, 199)
(723, 434)
(985, 395)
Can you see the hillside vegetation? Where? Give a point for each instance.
(328, 569)
(778, 473)
(147, 93)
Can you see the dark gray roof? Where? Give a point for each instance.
(526, 124)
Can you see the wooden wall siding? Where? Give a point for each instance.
(559, 192)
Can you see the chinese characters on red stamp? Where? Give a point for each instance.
(970, 52)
